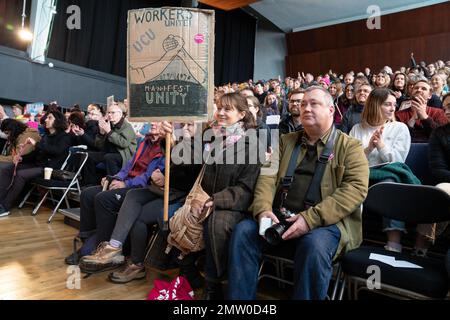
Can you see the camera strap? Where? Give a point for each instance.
(313, 194)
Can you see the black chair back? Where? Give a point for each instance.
(408, 203)
(417, 161)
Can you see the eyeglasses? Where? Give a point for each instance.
(295, 101)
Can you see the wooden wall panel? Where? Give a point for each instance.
(228, 4)
(351, 46)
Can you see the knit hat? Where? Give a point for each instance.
(325, 80)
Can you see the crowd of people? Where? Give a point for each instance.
(355, 123)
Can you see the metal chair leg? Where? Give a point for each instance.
(337, 283)
(57, 206)
(36, 209)
(26, 197)
(260, 269)
(67, 203)
(341, 292)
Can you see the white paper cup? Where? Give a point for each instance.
(48, 173)
(264, 225)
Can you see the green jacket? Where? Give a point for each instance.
(397, 171)
(124, 138)
(344, 187)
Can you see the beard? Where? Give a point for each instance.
(295, 113)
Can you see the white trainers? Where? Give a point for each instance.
(389, 248)
(5, 214)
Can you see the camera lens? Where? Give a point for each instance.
(274, 233)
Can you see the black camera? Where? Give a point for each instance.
(274, 233)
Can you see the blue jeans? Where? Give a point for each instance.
(313, 261)
(391, 225)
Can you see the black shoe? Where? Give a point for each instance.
(191, 273)
(73, 259)
(213, 291)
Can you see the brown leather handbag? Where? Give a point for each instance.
(186, 227)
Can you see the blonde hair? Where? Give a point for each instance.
(122, 107)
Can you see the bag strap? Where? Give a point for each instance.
(21, 149)
(313, 195)
(199, 179)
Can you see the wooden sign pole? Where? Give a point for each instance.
(167, 183)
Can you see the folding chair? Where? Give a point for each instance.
(282, 261)
(411, 204)
(74, 163)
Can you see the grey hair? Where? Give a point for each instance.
(326, 93)
(422, 79)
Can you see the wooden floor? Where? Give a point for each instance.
(32, 263)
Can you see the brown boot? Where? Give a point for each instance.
(103, 258)
(129, 273)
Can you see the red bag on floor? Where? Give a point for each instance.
(178, 289)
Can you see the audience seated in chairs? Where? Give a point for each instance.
(439, 161)
(86, 136)
(420, 118)
(50, 151)
(353, 114)
(291, 121)
(385, 142)
(17, 134)
(116, 138)
(143, 207)
(99, 208)
(320, 231)
(343, 104)
(230, 185)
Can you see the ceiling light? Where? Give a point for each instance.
(25, 35)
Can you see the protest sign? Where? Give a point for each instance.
(170, 64)
(34, 108)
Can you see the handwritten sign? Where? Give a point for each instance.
(170, 64)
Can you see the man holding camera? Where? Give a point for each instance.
(420, 118)
(319, 230)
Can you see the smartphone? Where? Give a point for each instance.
(405, 105)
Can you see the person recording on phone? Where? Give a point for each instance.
(314, 206)
(420, 118)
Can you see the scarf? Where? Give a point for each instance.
(147, 151)
(232, 134)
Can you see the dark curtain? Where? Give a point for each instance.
(101, 42)
(11, 23)
(235, 46)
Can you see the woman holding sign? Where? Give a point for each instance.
(228, 182)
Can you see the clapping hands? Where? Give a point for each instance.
(376, 141)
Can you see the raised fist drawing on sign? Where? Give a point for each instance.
(173, 48)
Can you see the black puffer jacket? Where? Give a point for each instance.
(53, 149)
(351, 117)
(439, 154)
